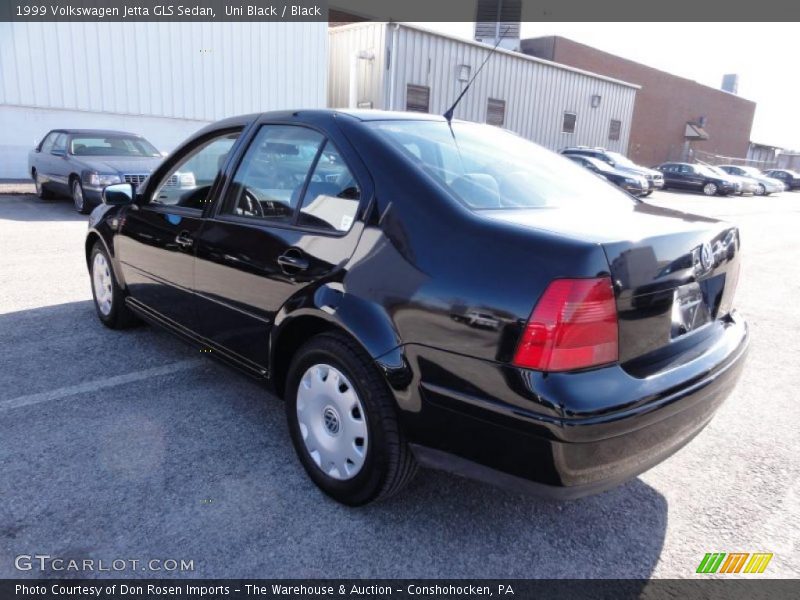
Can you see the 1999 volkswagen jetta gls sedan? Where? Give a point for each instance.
(419, 295)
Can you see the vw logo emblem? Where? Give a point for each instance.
(706, 256)
(331, 420)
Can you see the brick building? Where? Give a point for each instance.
(673, 117)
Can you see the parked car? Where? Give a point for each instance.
(789, 178)
(78, 163)
(764, 185)
(696, 177)
(631, 183)
(458, 299)
(655, 179)
(741, 185)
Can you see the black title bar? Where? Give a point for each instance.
(394, 10)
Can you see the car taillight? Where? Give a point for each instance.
(573, 326)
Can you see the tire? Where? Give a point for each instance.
(41, 192)
(345, 398)
(109, 298)
(78, 198)
(710, 189)
(647, 193)
(761, 190)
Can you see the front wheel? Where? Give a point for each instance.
(109, 299)
(343, 422)
(710, 189)
(760, 190)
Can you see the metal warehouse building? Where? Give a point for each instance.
(163, 80)
(394, 66)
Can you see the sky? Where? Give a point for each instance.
(766, 56)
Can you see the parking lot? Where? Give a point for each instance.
(131, 445)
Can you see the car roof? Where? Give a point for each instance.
(95, 132)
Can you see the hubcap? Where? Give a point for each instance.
(332, 422)
(77, 196)
(710, 189)
(101, 282)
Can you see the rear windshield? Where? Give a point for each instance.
(111, 145)
(488, 168)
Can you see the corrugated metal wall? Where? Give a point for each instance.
(536, 93)
(198, 71)
(344, 41)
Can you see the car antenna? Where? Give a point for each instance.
(449, 113)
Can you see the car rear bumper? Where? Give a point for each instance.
(570, 434)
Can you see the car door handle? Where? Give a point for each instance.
(292, 262)
(183, 240)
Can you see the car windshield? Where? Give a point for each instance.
(111, 145)
(621, 159)
(489, 168)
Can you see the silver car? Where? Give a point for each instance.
(764, 185)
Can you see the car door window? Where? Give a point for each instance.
(331, 198)
(189, 183)
(272, 175)
(60, 144)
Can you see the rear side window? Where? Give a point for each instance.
(331, 198)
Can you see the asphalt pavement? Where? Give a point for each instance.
(132, 446)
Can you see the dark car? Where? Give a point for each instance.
(78, 163)
(698, 178)
(633, 184)
(655, 180)
(463, 300)
(789, 178)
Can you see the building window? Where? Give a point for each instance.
(418, 98)
(496, 112)
(614, 129)
(570, 119)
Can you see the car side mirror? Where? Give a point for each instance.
(61, 153)
(118, 194)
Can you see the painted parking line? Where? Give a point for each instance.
(98, 384)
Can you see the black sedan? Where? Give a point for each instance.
(419, 295)
(789, 178)
(78, 163)
(698, 178)
(631, 183)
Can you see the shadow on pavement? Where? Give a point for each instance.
(27, 207)
(196, 464)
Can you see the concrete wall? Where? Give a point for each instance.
(21, 127)
(163, 80)
(663, 105)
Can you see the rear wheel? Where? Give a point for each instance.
(41, 191)
(343, 422)
(710, 189)
(78, 199)
(109, 298)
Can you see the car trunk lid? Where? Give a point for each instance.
(673, 273)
